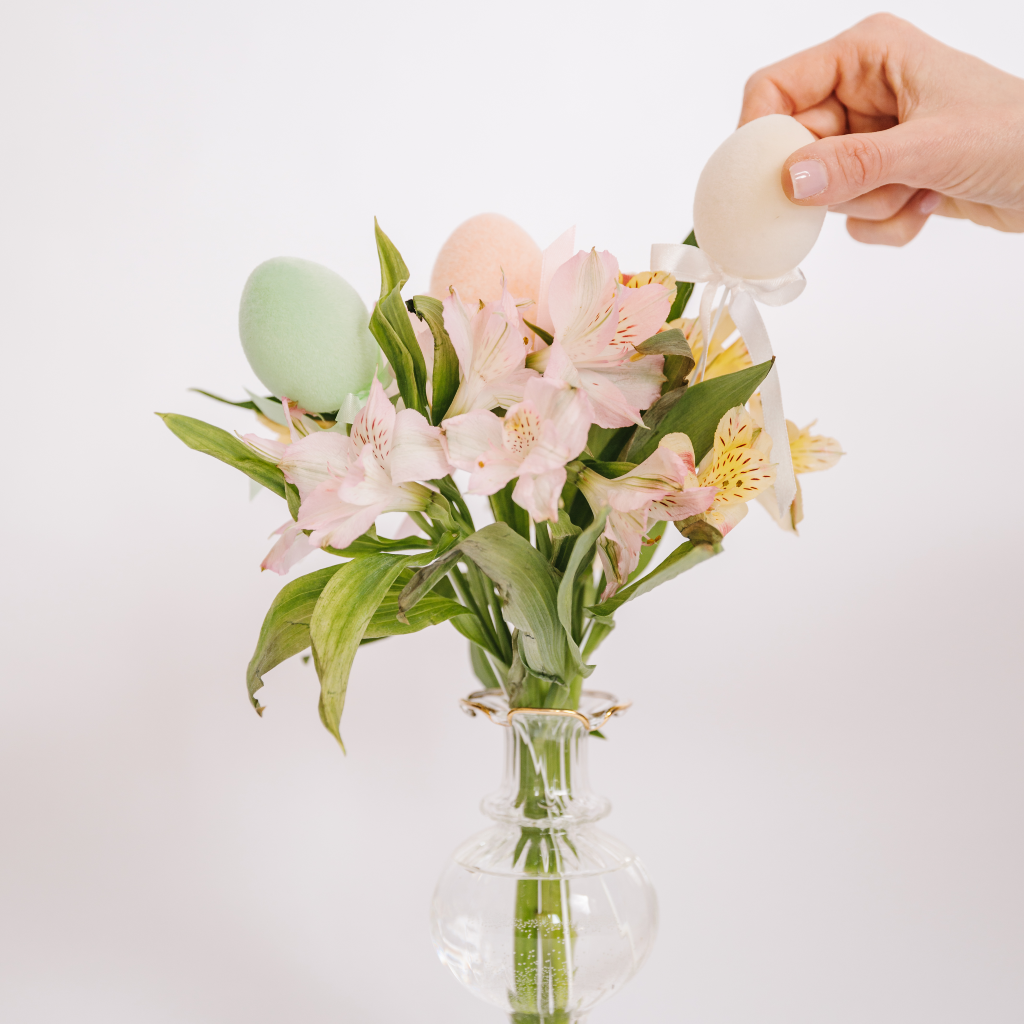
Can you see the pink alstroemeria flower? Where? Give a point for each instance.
(491, 345)
(598, 323)
(345, 483)
(534, 441)
(664, 486)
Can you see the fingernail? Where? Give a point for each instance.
(809, 178)
(929, 202)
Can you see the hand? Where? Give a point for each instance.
(908, 127)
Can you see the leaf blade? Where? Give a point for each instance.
(684, 289)
(528, 593)
(667, 343)
(285, 629)
(430, 611)
(339, 622)
(482, 667)
(698, 410)
(210, 440)
(446, 363)
(585, 543)
(685, 557)
(389, 324)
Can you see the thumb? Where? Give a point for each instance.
(839, 168)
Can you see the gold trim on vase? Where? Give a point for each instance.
(474, 704)
(567, 712)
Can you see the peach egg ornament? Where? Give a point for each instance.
(741, 216)
(476, 255)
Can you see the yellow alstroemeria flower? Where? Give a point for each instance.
(811, 453)
(662, 277)
(722, 359)
(738, 466)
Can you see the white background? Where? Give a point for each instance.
(823, 768)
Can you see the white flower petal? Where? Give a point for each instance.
(374, 426)
(538, 493)
(417, 453)
(309, 462)
(292, 546)
(583, 304)
(475, 442)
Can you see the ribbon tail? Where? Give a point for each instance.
(707, 302)
(747, 318)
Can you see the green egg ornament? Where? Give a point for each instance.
(305, 332)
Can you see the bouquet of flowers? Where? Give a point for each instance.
(580, 400)
(596, 418)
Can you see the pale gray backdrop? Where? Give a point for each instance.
(823, 768)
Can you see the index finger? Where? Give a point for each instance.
(853, 69)
(793, 85)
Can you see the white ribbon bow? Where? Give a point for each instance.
(688, 263)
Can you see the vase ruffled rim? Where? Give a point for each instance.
(596, 708)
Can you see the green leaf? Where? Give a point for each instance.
(446, 363)
(505, 510)
(469, 626)
(211, 440)
(430, 611)
(423, 581)
(686, 556)
(271, 408)
(675, 370)
(285, 629)
(370, 544)
(598, 632)
(528, 593)
(563, 527)
(227, 401)
(291, 493)
(684, 289)
(482, 667)
(667, 343)
(697, 531)
(660, 409)
(389, 324)
(563, 538)
(440, 510)
(698, 410)
(609, 470)
(679, 359)
(540, 332)
(447, 486)
(339, 622)
(582, 552)
(607, 442)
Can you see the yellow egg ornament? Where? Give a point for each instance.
(741, 216)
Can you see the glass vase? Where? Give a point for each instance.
(543, 914)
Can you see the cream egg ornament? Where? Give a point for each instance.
(741, 216)
(305, 332)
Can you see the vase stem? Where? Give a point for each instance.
(544, 935)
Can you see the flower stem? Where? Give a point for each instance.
(544, 936)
